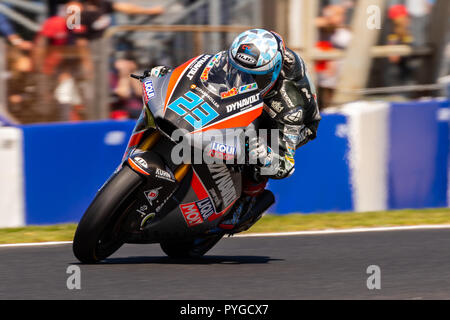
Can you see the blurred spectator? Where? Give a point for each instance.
(97, 15)
(21, 83)
(127, 91)
(8, 31)
(54, 6)
(57, 57)
(333, 34)
(418, 12)
(400, 70)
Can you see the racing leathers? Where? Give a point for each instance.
(291, 108)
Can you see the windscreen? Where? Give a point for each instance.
(221, 79)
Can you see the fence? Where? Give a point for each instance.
(181, 42)
(53, 84)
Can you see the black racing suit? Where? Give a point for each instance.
(291, 107)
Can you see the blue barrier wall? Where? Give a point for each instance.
(65, 164)
(418, 155)
(321, 181)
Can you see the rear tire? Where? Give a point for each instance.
(98, 233)
(190, 249)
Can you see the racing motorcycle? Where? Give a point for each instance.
(152, 199)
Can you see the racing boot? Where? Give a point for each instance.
(249, 208)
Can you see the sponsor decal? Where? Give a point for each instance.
(191, 214)
(271, 113)
(291, 134)
(193, 70)
(215, 197)
(292, 138)
(294, 117)
(205, 207)
(158, 208)
(248, 88)
(205, 73)
(164, 175)
(286, 97)
(209, 66)
(229, 93)
(246, 58)
(222, 177)
(277, 106)
(206, 95)
(222, 151)
(290, 151)
(290, 159)
(142, 210)
(213, 60)
(248, 50)
(141, 162)
(196, 212)
(243, 103)
(148, 90)
(151, 195)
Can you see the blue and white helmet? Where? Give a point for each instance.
(260, 53)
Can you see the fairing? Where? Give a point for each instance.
(203, 94)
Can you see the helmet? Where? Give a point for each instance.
(260, 53)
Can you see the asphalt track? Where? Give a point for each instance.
(415, 264)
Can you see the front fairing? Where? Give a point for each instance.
(208, 93)
(198, 100)
(144, 125)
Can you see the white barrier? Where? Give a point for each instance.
(11, 178)
(368, 135)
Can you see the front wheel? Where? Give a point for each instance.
(98, 234)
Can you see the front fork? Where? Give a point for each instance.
(146, 146)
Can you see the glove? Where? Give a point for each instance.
(159, 71)
(306, 134)
(259, 153)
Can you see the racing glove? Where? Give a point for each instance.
(259, 153)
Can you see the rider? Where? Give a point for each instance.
(290, 105)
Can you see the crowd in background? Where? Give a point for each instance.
(57, 62)
(51, 74)
(406, 23)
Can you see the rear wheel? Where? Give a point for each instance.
(190, 249)
(98, 234)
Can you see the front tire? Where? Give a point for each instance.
(98, 233)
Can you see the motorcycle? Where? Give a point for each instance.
(152, 199)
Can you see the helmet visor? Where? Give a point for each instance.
(263, 80)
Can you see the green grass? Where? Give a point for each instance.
(59, 232)
(300, 222)
(269, 223)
